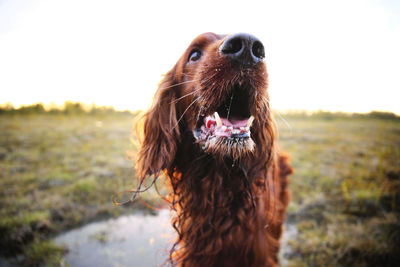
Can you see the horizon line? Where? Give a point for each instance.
(86, 106)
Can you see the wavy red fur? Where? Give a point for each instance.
(229, 208)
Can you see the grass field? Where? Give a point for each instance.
(345, 192)
(59, 171)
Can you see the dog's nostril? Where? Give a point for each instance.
(258, 50)
(232, 46)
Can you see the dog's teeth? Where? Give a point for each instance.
(223, 128)
(250, 121)
(217, 119)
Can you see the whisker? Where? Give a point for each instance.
(285, 121)
(176, 100)
(230, 104)
(281, 117)
(176, 84)
(191, 104)
(188, 75)
(188, 94)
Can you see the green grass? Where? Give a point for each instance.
(40, 252)
(57, 172)
(60, 170)
(345, 190)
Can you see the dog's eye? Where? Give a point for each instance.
(194, 55)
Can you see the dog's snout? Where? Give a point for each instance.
(243, 48)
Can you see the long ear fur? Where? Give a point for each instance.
(158, 130)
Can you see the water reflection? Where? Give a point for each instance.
(134, 240)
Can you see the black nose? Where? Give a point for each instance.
(243, 48)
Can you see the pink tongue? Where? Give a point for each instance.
(234, 123)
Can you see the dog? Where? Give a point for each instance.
(211, 132)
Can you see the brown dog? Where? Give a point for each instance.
(211, 131)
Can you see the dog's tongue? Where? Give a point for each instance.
(234, 123)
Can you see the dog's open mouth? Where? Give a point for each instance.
(228, 130)
(233, 129)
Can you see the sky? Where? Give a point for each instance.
(341, 55)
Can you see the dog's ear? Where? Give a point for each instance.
(158, 130)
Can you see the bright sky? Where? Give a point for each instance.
(330, 55)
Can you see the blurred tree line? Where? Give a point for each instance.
(68, 108)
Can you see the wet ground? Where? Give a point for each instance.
(134, 240)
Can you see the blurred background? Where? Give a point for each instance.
(74, 75)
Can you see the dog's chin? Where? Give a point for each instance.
(226, 132)
(223, 137)
(235, 148)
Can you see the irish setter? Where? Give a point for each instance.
(210, 131)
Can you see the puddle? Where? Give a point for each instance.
(134, 240)
(286, 250)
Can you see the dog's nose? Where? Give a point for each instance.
(243, 48)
